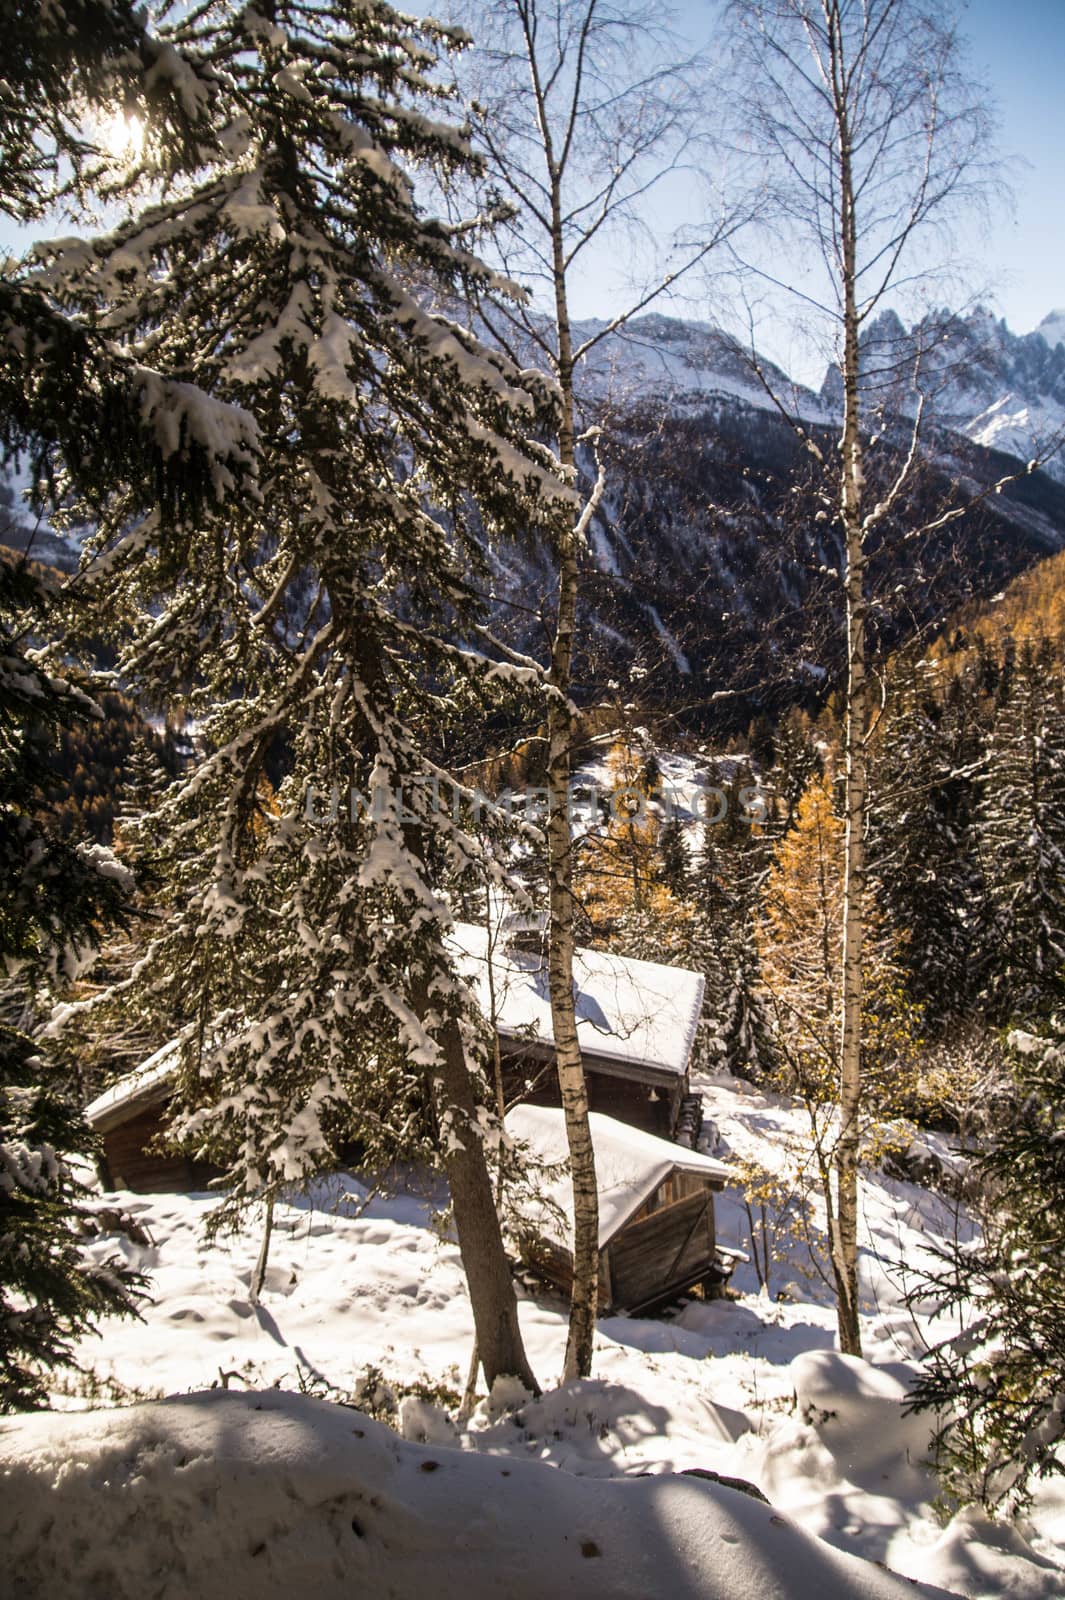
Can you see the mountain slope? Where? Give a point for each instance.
(712, 565)
(999, 389)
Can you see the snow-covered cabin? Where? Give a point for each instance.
(656, 1210)
(129, 1117)
(636, 1023)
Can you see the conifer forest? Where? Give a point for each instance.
(532, 802)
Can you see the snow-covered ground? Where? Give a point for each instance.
(747, 1388)
(223, 1496)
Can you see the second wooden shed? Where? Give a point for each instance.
(656, 1210)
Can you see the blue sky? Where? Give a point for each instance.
(1017, 49)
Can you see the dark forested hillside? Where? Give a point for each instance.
(711, 573)
(718, 526)
(712, 567)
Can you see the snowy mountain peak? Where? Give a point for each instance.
(1002, 390)
(886, 325)
(681, 364)
(1052, 328)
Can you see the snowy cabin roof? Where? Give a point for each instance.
(629, 1163)
(635, 1013)
(142, 1087)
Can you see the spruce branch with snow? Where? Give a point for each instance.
(929, 766)
(315, 629)
(998, 1385)
(57, 899)
(1018, 831)
(84, 411)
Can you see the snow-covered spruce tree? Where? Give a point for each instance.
(999, 1384)
(735, 1034)
(311, 627)
(1019, 830)
(66, 396)
(95, 1050)
(796, 756)
(928, 765)
(55, 900)
(79, 407)
(675, 865)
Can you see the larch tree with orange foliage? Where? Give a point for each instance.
(619, 881)
(800, 947)
(799, 941)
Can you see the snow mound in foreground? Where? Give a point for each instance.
(223, 1495)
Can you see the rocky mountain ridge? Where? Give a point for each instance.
(711, 582)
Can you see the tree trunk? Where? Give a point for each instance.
(469, 1395)
(258, 1277)
(845, 1244)
(845, 1232)
(491, 1287)
(492, 1297)
(570, 1066)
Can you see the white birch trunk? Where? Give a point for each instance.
(570, 1066)
(845, 1224)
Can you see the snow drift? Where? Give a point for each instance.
(223, 1495)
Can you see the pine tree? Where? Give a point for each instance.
(735, 1035)
(101, 1037)
(928, 765)
(674, 857)
(997, 1386)
(145, 779)
(56, 898)
(86, 415)
(797, 758)
(311, 626)
(1020, 834)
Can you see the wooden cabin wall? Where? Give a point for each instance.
(668, 1246)
(131, 1165)
(631, 1103)
(623, 1098)
(664, 1252)
(678, 1186)
(550, 1259)
(551, 1262)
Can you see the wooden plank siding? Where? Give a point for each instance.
(678, 1186)
(667, 1247)
(663, 1253)
(638, 1103)
(131, 1164)
(555, 1265)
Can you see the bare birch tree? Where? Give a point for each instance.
(584, 108)
(872, 139)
